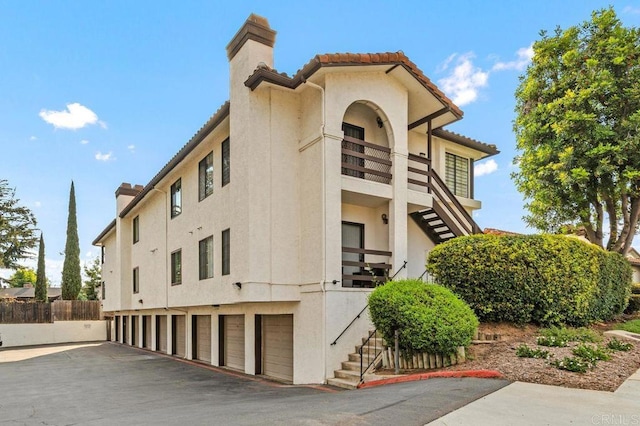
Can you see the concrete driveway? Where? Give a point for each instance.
(112, 384)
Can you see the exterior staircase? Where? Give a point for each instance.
(436, 224)
(348, 377)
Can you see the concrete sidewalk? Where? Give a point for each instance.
(531, 404)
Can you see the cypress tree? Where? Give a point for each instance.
(41, 278)
(71, 278)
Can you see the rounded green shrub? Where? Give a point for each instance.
(429, 317)
(547, 279)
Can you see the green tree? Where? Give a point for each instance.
(41, 277)
(22, 276)
(578, 131)
(17, 228)
(93, 274)
(71, 278)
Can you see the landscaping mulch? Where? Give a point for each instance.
(501, 356)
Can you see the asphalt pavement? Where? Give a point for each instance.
(107, 383)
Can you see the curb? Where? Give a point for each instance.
(482, 374)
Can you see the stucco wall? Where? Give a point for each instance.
(57, 332)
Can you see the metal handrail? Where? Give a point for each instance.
(404, 265)
(352, 321)
(364, 369)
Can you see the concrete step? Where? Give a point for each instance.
(348, 374)
(356, 357)
(369, 349)
(352, 365)
(374, 340)
(342, 383)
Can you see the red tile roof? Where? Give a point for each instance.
(265, 73)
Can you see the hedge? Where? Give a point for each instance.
(634, 300)
(429, 317)
(547, 279)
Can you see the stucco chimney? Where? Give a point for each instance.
(251, 46)
(124, 194)
(255, 28)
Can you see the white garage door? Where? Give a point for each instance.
(161, 333)
(146, 341)
(203, 338)
(134, 330)
(277, 346)
(179, 336)
(233, 343)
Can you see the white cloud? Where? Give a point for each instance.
(524, 55)
(485, 168)
(33, 138)
(37, 204)
(131, 148)
(104, 157)
(465, 79)
(631, 9)
(84, 141)
(76, 116)
(89, 254)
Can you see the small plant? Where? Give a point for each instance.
(573, 364)
(551, 341)
(584, 334)
(525, 351)
(591, 354)
(616, 345)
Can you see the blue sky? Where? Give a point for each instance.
(106, 92)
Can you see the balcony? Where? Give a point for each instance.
(366, 160)
(364, 268)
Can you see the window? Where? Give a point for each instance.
(102, 289)
(136, 229)
(206, 258)
(226, 167)
(176, 198)
(102, 253)
(205, 177)
(352, 237)
(136, 280)
(457, 174)
(355, 132)
(176, 267)
(226, 252)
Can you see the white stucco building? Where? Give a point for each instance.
(259, 241)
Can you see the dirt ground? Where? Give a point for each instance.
(501, 355)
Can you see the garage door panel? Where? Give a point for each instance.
(203, 338)
(234, 341)
(147, 331)
(180, 330)
(162, 333)
(134, 330)
(277, 350)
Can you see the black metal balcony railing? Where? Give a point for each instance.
(365, 160)
(360, 267)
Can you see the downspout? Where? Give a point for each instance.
(324, 225)
(166, 242)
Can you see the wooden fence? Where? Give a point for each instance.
(59, 310)
(25, 313)
(76, 310)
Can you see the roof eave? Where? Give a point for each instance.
(489, 150)
(104, 233)
(214, 121)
